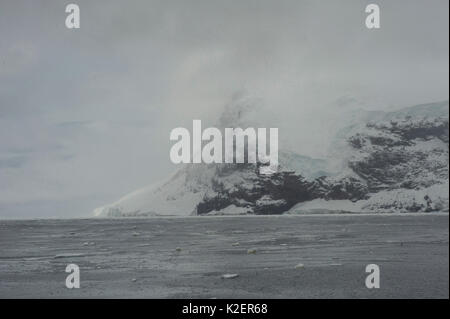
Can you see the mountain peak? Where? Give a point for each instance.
(394, 161)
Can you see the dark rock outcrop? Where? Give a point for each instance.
(408, 154)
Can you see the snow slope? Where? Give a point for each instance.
(178, 196)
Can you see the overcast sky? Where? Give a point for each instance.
(85, 115)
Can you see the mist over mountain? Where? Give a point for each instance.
(377, 162)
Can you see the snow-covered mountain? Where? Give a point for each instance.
(381, 162)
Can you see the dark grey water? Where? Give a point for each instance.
(185, 257)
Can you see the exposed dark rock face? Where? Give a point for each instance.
(276, 193)
(261, 194)
(407, 154)
(345, 188)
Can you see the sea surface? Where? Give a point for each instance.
(312, 256)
